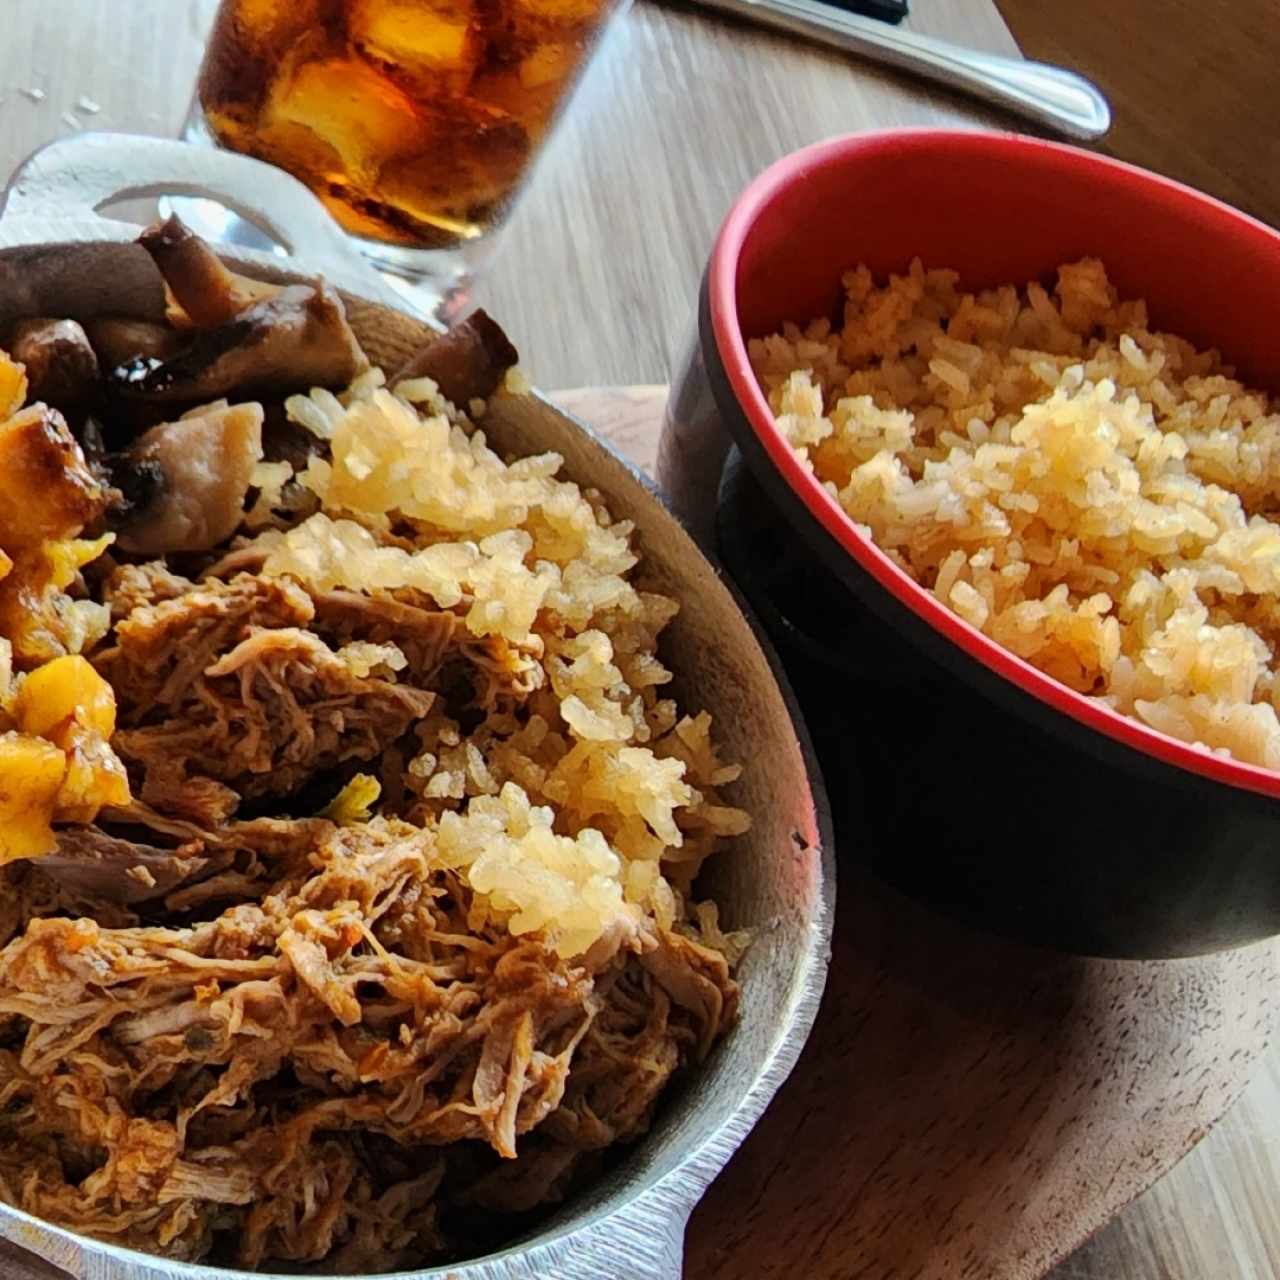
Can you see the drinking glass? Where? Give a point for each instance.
(416, 122)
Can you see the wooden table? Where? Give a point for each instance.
(1188, 80)
(596, 281)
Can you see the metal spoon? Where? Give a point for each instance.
(1061, 99)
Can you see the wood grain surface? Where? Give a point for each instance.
(596, 280)
(1188, 82)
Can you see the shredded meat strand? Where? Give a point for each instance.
(97, 864)
(224, 682)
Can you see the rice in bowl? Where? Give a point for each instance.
(1099, 498)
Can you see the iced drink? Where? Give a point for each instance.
(413, 120)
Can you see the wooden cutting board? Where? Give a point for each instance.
(966, 1109)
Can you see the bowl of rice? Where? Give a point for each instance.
(1003, 478)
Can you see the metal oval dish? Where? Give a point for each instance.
(58, 258)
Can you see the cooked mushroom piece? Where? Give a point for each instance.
(136, 487)
(208, 294)
(199, 469)
(120, 338)
(467, 363)
(295, 340)
(62, 369)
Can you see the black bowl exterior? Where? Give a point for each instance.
(693, 445)
(979, 797)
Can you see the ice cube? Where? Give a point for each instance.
(269, 27)
(352, 107)
(531, 88)
(472, 166)
(566, 11)
(550, 64)
(298, 149)
(548, 18)
(500, 87)
(432, 44)
(249, 40)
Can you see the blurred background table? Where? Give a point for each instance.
(600, 266)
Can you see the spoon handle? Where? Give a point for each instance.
(1051, 95)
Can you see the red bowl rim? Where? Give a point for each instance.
(722, 297)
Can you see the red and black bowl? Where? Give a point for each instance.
(966, 776)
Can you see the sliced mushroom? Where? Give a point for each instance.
(62, 369)
(248, 337)
(119, 338)
(297, 339)
(201, 468)
(137, 485)
(208, 294)
(467, 363)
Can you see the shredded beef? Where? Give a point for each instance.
(221, 1087)
(162, 649)
(276, 710)
(424, 636)
(96, 864)
(223, 682)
